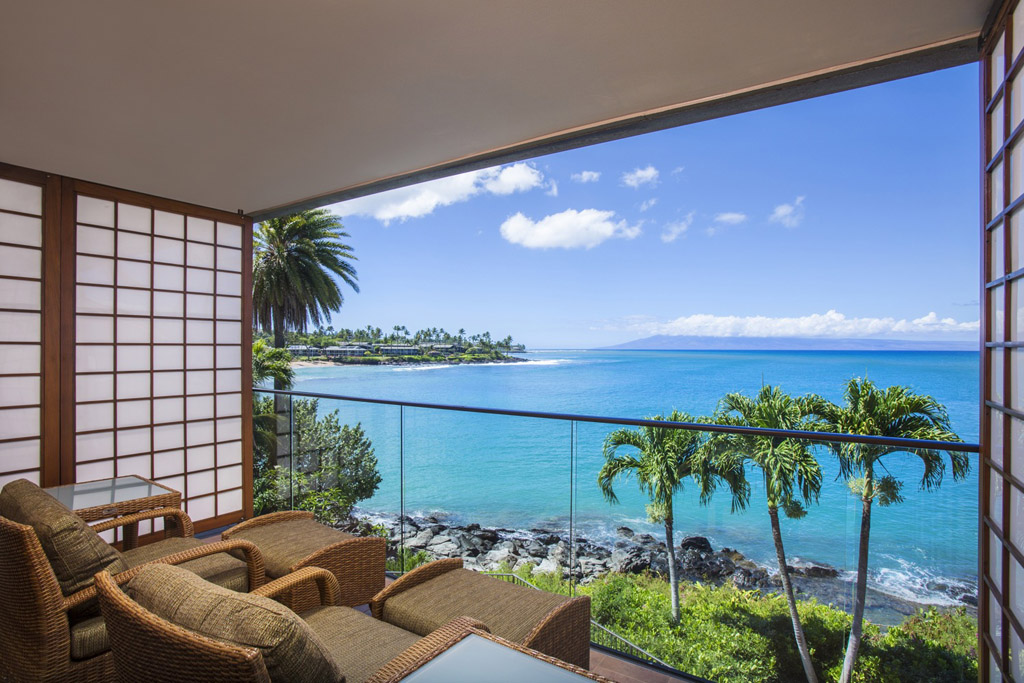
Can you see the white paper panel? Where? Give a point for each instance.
(20, 294)
(229, 259)
(229, 308)
(201, 483)
(229, 477)
(93, 416)
(21, 230)
(95, 241)
(15, 196)
(91, 328)
(229, 333)
(132, 302)
(94, 446)
(133, 274)
(168, 410)
(229, 405)
(169, 277)
(201, 458)
(229, 380)
(198, 407)
(202, 508)
(95, 211)
(200, 229)
(132, 358)
(199, 305)
(229, 283)
(167, 331)
(19, 455)
(94, 358)
(17, 327)
(134, 218)
(133, 413)
(133, 331)
(229, 429)
(19, 358)
(94, 388)
(20, 391)
(95, 470)
(174, 483)
(31, 476)
(200, 280)
(93, 270)
(19, 422)
(199, 382)
(132, 441)
(168, 383)
(130, 245)
(168, 436)
(199, 255)
(199, 331)
(138, 465)
(229, 235)
(229, 356)
(168, 464)
(94, 300)
(168, 357)
(168, 251)
(168, 304)
(198, 357)
(198, 433)
(229, 453)
(229, 501)
(133, 384)
(169, 224)
(20, 262)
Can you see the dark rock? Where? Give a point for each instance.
(548, 539)
(432, 520)
(969, 599)
(472, 527)
(631, 560)
(487, 535)
(645, 539)
(625, 532)
(819, 571)
(698, 543)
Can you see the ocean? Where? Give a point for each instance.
(523, 473)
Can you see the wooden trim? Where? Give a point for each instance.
(158, 203)
(247, 438)
(68, 243)
(224, 519)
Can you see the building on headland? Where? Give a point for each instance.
(517, 348)
(448, 348)
(344, 351)
(298, 350)
(399, 350)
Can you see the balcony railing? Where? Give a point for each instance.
(515, 492)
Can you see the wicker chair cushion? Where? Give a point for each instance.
(285, 544)
(291, 650)
(74, 550)
(222, 569)
(89, 638)
(359, 643)
(510, 611)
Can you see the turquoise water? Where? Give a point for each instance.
(517, 472)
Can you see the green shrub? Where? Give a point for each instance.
(408, 559)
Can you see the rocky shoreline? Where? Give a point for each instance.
(548, 551)
(403, 361)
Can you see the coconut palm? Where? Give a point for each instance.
(271, 363)
(663, 459)
(894, 412)
(295, 261)
(789, 470)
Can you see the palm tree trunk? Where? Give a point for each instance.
(798, 631)
(673, 578)
(857, 629)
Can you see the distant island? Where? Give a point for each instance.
(667, 342)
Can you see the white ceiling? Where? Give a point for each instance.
(264, 104)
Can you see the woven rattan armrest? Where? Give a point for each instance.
(417, 576)
(253, 560)
(270, 518)
(324, 580)
(426, 648)
(181, 520)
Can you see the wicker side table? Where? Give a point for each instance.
(106, 498)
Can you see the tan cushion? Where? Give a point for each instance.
(220, 568)
(285, 544)
(89, 638)
(359, 643)
(74, 550)
(291, 650)
(510, 611)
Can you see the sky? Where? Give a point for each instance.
(847, 216)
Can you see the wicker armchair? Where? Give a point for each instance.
(359, 646)
(431, 594)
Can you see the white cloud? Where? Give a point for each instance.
(678, 169)
(640, 176)
(586, 176)
(552, 189)
(648, 203)
(723, 220)
(677, 229)
(828, 325)
(790, 215)
(420, 200)
(569, 229)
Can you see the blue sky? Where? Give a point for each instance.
(851, 215)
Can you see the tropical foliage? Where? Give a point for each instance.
(399, 334)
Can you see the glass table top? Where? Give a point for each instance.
(475, 659)
(105, 492)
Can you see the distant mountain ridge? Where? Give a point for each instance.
(667, 342)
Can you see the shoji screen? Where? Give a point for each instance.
(1001, 598)
(28, 374)
(159, 333)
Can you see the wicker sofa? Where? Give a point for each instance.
(199, 631)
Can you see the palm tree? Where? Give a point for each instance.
(664, 458)
(271, 363)
(294, 260)
(894, 412)
(791, 474)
